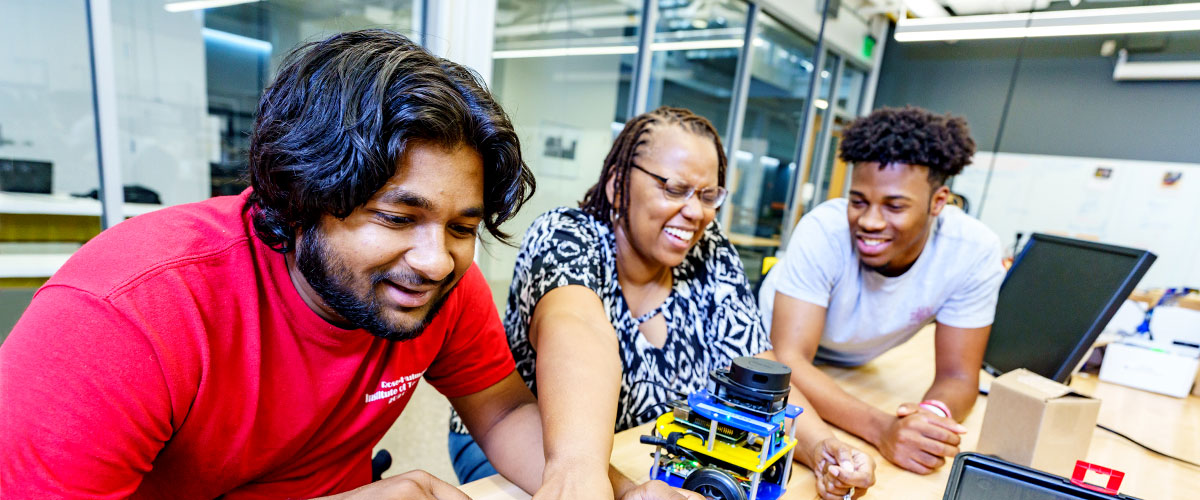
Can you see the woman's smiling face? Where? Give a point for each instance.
(660, 230)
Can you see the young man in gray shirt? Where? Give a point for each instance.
(864, 274)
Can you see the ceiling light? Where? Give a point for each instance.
(237, 40)
(1154, 70)
(565, 51)
(202, 4)
(732, 43)
(1152, 19)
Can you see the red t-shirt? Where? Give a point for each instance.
(171, 357)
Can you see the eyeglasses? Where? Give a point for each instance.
(677, 190)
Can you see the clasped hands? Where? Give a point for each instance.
(919, 440)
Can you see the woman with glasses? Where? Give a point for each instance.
(619, 306)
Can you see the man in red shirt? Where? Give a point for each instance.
(258, 346)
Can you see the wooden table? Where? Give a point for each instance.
(749, 240)
(1167, 424)
(1151, 297)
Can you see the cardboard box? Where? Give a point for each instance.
(1037, 422)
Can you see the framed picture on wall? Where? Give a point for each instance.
(559, 145)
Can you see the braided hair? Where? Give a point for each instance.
(912, 136)
(628, 145)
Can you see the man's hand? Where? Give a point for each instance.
(412, 485)
(918, 440)
(840, 468)
(658, 490)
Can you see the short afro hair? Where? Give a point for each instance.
(912, 136)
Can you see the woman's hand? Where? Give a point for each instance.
(841, 470)
(658, 490)
(573, 484)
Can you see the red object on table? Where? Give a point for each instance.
(1114, 477)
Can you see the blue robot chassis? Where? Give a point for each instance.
(733, 440)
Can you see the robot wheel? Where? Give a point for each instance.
(714, 484)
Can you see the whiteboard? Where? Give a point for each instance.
(1134, 206)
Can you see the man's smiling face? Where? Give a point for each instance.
(390, 264)
(891, 210)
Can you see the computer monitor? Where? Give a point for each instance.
(1058, 296)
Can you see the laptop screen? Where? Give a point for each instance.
(981, 483)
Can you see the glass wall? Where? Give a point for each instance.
(48, 152)
(189, 82)
(820, 151)
(830, 179)
(850, 91)
(562, 71)
(696, 49)
(765, 162)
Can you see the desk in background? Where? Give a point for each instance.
(756, 253)
(58, 221)
(748, 240)
(1151, 297)
(902, 374)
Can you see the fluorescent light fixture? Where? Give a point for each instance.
(1151, 19)
(1155, 70)
(237, 40)
(821, 104)
(731, 43)
(565, 51)
(203, 4)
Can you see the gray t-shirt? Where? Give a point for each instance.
(955, 280)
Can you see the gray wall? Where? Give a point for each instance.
(1065, 101)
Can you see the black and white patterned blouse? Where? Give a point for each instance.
(711, 315)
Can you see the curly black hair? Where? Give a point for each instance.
(335, 121)
(913, 136)
(627, 147)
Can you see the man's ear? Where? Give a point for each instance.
(938, 201)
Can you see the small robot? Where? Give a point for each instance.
(732, 440)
